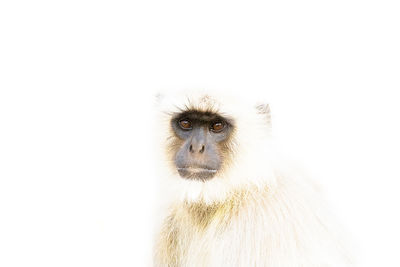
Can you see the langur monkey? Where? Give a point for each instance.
(230, 201)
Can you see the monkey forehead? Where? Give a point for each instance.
(201, 116)
(223, 104)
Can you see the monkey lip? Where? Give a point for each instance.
(196, 173)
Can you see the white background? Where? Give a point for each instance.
(77, 81)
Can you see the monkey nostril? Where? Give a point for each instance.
(191, 148)
(202, 149)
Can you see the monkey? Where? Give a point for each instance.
(229, 200)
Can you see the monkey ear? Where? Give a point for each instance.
(265, 111)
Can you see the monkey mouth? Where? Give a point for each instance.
(197, 173)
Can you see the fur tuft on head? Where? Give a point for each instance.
(251, 150)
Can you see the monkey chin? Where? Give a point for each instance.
(195, 173)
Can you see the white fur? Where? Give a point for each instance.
(280, 220)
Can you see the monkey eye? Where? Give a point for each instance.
(217, 127)
(185, 124)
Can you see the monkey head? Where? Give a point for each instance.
(213, 144)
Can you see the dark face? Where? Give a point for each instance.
(200, 144)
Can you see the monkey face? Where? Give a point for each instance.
(200, 143)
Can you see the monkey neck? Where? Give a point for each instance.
(202, 214)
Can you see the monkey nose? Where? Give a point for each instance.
(194, 148)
